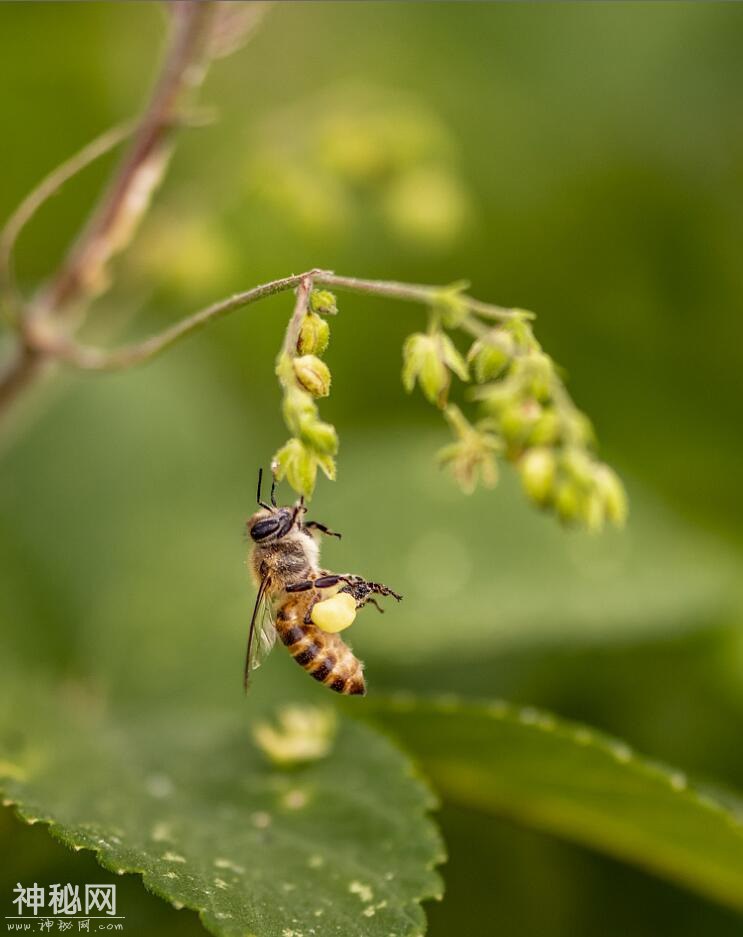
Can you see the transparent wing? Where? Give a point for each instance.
(262, 632)
(265, 635)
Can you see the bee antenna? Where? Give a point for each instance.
(258, 497)
(273, 492)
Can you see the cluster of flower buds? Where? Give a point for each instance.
(304, 376)
(581, 489)
(527, 415)
(527, 407)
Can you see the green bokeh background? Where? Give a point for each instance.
(598, 150)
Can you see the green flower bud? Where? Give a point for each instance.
(452, 358)
(322, 437)
(451, 306)
(472, 456)
(298, 408)
(518, 326)
(470, 459)
(323, 302)
(546, 430)
(413, 354)
(429, 358)
(517, 420)
(612, 494)
(434, 376)
(537, 468)
(496, 397)
(301, 472)
(327, 464)
(298, 465)
(313, 374)
(314, 333)
(491, 355)
(538, 371)
(578, 466)
(568, 501)
(578, 429)
(283, 457)
(592, 511)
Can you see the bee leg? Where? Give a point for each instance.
(380, 589)
(332, 579)
(301, 586)
(361, 588)
(313, 602)
(316, 525)
(371, 602)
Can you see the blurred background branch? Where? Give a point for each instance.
(199, 33)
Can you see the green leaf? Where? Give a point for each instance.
(570, 780)
(186, 800)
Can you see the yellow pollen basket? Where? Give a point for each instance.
(336, 613)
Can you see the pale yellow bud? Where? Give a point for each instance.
(612, 493)
(579, 466)
(434, 376)
(313, 335)
(313, 374)
(323, 301)
(537, 468)
(568, 501)
(592, 511)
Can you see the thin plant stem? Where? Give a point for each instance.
(300, 310)
(85, 357)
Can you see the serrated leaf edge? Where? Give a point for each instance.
(102, 853)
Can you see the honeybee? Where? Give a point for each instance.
(305, 605)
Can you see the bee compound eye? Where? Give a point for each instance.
(264, 528)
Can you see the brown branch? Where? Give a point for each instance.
(123, 202)
(126, 196)
(24, 368)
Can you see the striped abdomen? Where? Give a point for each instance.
(326, 657)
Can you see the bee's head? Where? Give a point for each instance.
(268, 524)
(272, 522)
